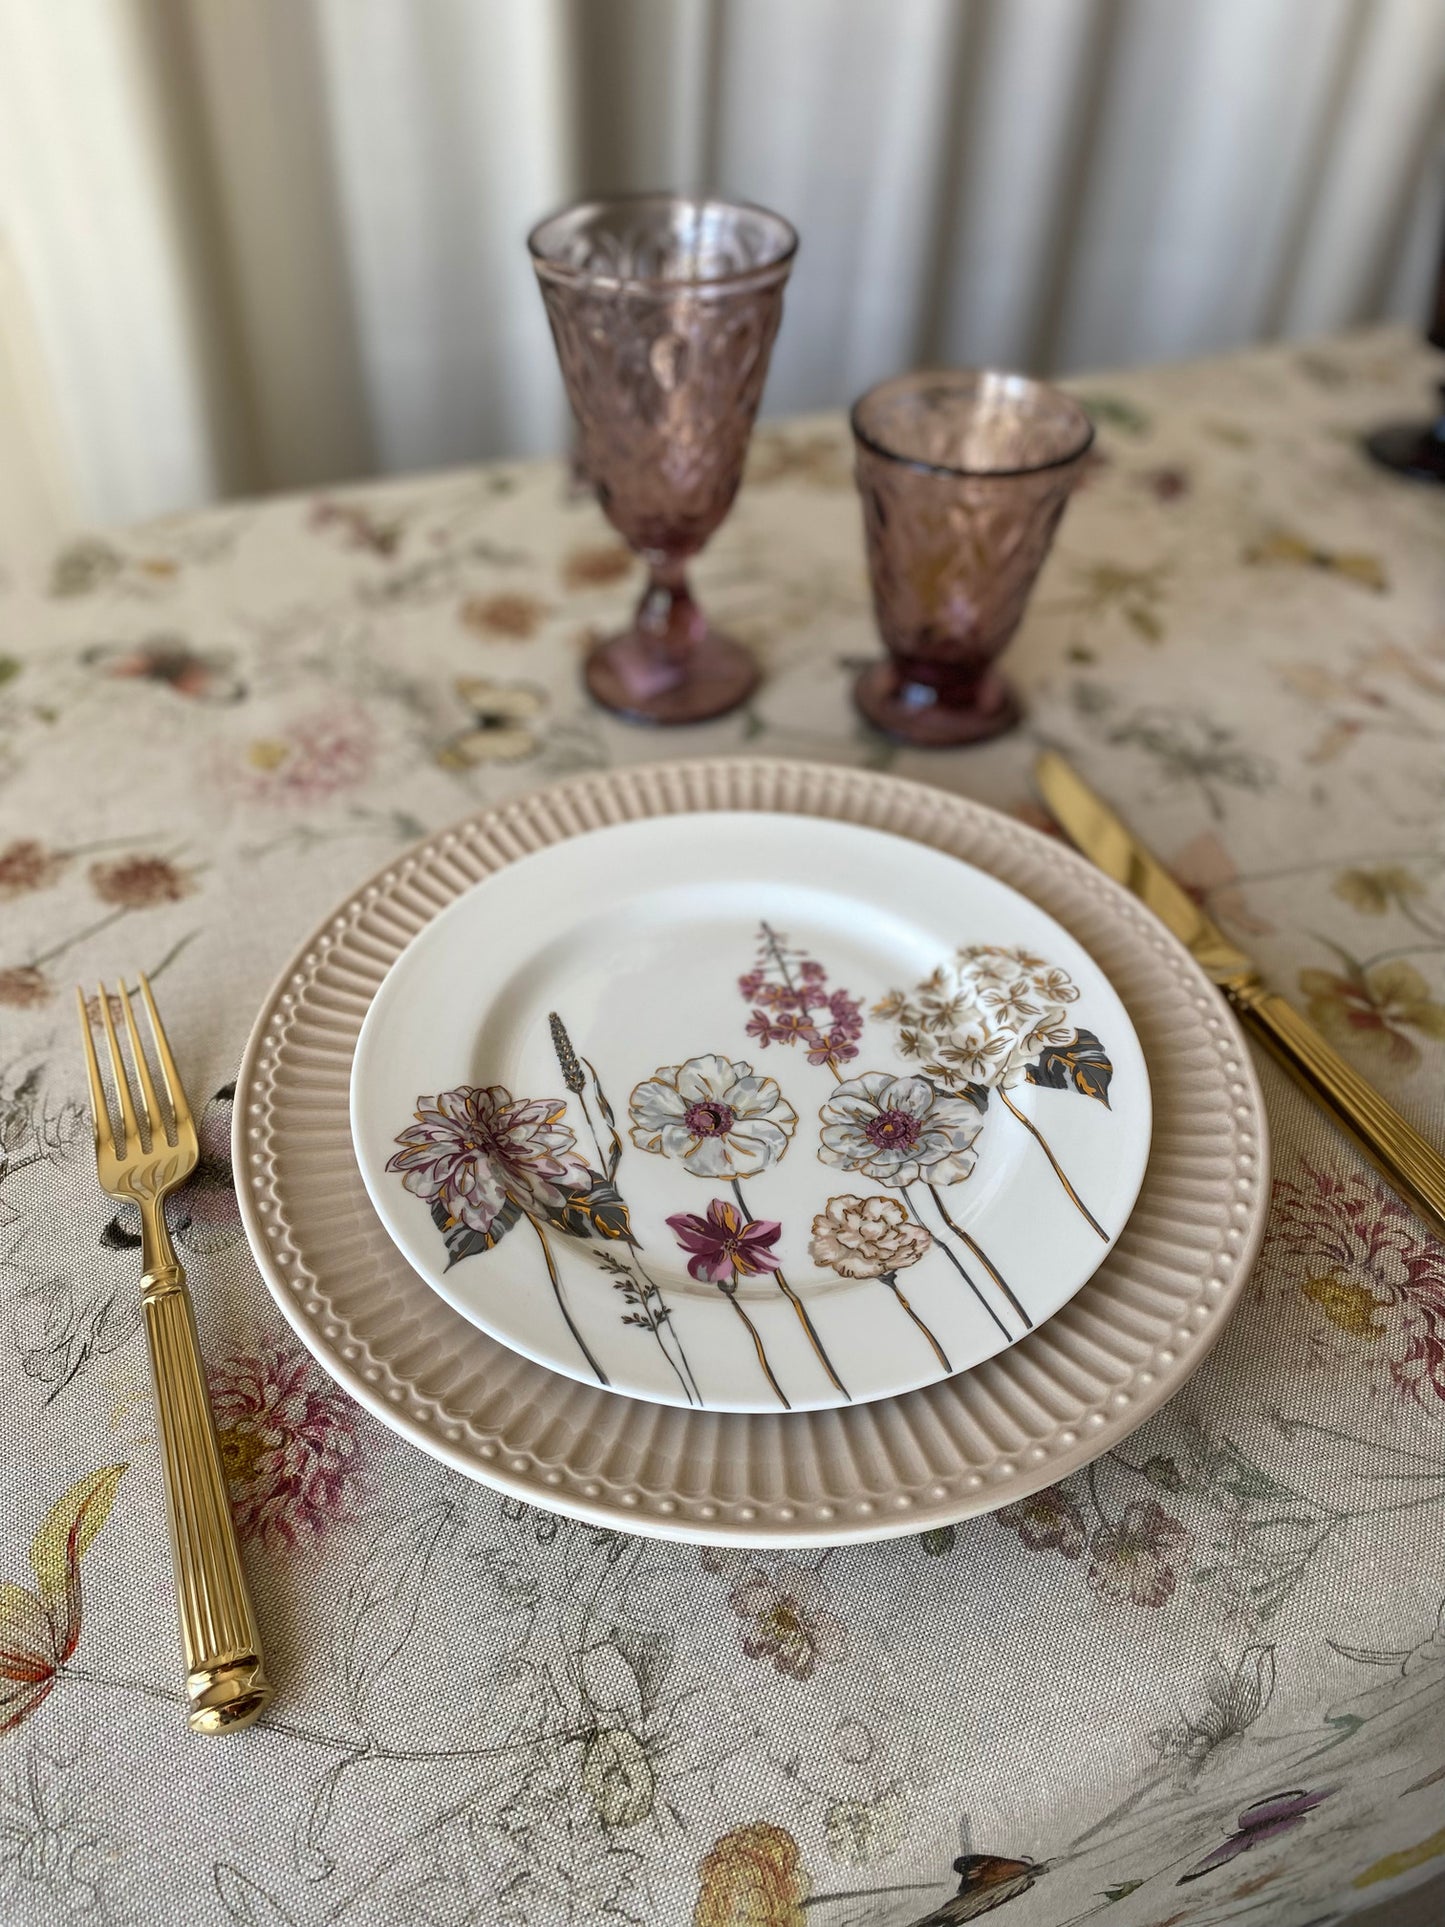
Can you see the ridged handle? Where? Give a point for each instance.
(226, 1682)
(1409, 1164)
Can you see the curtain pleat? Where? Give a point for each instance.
(269, 245)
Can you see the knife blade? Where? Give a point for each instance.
(1410, 1165)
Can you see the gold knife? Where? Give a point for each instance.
(1398, 1152)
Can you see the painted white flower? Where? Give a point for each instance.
(1054, 986)
(717, 1117)
(976, 1054)
(982, 964)
(899, 1130)
(1014, 1005)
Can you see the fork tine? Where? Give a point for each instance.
(170, 1076)
(100, 1117)
(149, 1102)
(129, 1123)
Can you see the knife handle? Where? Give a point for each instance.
(1411, 1166)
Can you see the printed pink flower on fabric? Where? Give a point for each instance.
(311, 759)
(1355, 1250)
(475, 1149)
(1047, 1521)
(1139, 1558)
(788, 1620)
(725, 1242)
(288, 1439)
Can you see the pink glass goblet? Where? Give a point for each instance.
(964, 476)
(664, 309)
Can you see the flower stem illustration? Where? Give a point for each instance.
(798, 1306)
(874, 1238)
(962, 1270)
(639, 1288)
(1058, 1169)
(722, 1121)
(483, 1160)
(991, 1019)
(902, 1131)
(556, 1284)
(982, 1256)
(725, 1246)
(890, 1278)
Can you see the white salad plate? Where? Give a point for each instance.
(969, 1442)
(750, 1114)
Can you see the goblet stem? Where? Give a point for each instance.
(667, 614)
(671, 666)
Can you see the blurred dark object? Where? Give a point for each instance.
(664, 309)
(1417, 449)
(963, 476)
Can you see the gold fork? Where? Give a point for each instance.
(143, 1163)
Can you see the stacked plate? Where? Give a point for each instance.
(751, 1152)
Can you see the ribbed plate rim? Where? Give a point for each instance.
(933, 816)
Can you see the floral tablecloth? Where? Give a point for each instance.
(1203, 1682)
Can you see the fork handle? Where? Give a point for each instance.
(226, 1683)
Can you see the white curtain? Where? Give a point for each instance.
(254, 244)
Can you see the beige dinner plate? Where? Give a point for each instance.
(967, 1444)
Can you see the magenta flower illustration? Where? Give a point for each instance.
(289, 1446)
(725, 1243)
(792, 1004)
(476, 1149)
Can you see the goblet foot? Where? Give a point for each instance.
(636, 678)
(917, 713)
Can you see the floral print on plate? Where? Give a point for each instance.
(965, 1043)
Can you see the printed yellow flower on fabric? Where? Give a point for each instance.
(1374, 1010)
(752, 1877)
(1375, 891)
(1347, 1303)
